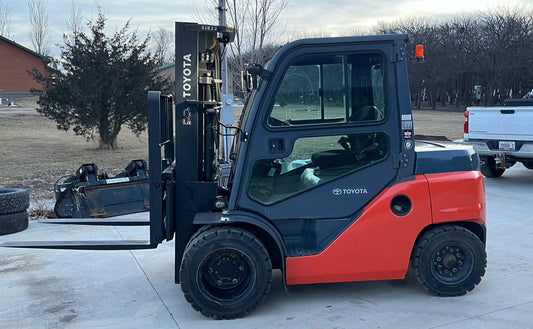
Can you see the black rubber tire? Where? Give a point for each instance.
(225, 272)
(12, 223)
(201, 230)
(489, 169)
(449, 260)
(528, 164)
(13, 200)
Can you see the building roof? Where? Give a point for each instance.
(161, 68)
(45, 59)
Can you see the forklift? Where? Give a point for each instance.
(325, 181)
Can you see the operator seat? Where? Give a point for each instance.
(366, 113)
(355, 145)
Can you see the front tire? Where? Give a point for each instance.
(225, 272)
(449, 260)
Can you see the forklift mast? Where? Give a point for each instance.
(196, 142)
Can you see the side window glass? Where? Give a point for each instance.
(334, 91)
(330, 90)
(314, 161)
(297, 98)
(367, 94)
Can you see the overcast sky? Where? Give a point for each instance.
(301, 17)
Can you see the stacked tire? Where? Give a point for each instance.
(14, 203)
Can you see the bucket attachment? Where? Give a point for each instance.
(89, 194)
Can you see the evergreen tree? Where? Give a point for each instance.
(102, 84)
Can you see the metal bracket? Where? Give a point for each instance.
(400, 160)
(397, 54)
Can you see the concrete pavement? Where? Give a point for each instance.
(135, 289)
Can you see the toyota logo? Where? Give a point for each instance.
(337, 191)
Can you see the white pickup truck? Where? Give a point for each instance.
(502, 136)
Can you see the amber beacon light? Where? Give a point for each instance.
(419, 53)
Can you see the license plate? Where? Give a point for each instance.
(507, 146)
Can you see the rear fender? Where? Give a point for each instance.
(457, 196)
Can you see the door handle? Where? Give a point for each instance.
(276, 145)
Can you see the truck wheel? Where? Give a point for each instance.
(528, 164)
(225, 272)
(13, 200)
(489, 169)
(449, 260)
(12, 223)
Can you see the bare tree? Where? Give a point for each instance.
(490, 49)
(162, 45)
(257, 29)
(74, 20)
(265, 20)
(5, 23)
(38, 26)
(256, 22)
(507, 36)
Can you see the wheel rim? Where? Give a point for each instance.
(226, 276)
(452, 263)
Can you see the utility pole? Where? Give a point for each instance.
(226, 112)
(222, 22)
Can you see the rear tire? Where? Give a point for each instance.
(13, 200)
(225, 272)
(12, 223)
(528, 164)
(449, 260)
(489, 169)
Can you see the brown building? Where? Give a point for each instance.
(167, 71)
(15, 63)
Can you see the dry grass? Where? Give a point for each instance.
(443, 122)
(34, 153)
(32, 145)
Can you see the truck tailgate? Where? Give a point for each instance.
(501, 123)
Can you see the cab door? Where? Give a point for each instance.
(323, 142)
